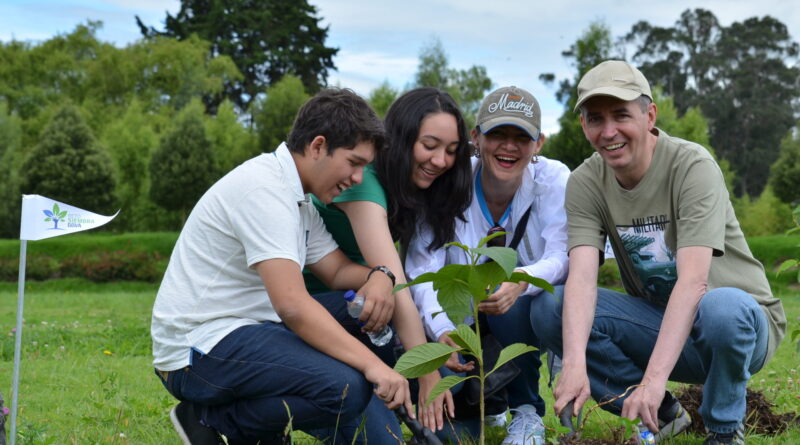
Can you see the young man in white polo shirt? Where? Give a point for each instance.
(236, 336)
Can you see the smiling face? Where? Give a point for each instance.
(506, 151)
(621, 133)
(434, 149)
(331, 175)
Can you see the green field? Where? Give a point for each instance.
(87, 376)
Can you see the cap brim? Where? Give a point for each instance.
(522, 124)
(620, 93)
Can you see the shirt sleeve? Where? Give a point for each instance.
(554, 262)
(419, 261)
(584, 223)
(266, 223)
(702, 204)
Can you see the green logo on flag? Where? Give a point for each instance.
(55, 215)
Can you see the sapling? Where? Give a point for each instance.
(793, 264)
(460, 288)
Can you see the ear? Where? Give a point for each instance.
(474, 135)
(317, 147)
(652, 113)
(537, 147)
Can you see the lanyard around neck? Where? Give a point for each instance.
(484, 207)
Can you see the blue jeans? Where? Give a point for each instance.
(727, 343)
(515, 327)
(242, 384)
(376, 418)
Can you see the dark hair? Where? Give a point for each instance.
(339, 114)
(449, 195)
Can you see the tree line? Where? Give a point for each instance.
(148, 127)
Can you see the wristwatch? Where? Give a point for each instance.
(383, 269)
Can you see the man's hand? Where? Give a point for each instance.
(453, 363)
(390, 386)
(432, 414)
(572, 385)
(643, 404)
(378, 302)
(501, 300)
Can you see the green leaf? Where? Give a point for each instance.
(423, 359)
(445, 384)
(48, 219)
(457, 244)
(486, 239)
(516, 277)
(465, 337)
(786, 265)
(453, 291)
(504, 256)
(795, 334)
(511, 352)
(486, 277)
(56, 210)
(62, 215)
(793, 231)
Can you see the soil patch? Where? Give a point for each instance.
(760, 419)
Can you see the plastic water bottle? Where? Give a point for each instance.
(645, 436)
(355, 304)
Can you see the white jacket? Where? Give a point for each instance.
(541, 253)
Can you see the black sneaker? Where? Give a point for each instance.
(735, 438)
(187, 423)
(672, 418)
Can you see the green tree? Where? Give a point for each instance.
(182, 167)
(569, 145)
(68, 165)
(743, 77)
(274, 115)
(468, 87)
(785, 177)
(266, 40)
(130, 140)
(231, 142)
(10, 167)
(382, 97)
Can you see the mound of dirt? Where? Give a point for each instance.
(760, 418)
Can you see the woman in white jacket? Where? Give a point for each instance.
(511, 180)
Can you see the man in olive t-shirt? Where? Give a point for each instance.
(697, 307)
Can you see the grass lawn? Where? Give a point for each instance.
(87, 376)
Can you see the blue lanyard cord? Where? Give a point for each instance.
(484, 207)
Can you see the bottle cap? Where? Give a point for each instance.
(350, 295)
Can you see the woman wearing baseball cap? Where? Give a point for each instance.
(519, 192)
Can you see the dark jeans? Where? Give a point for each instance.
(258, 376)
(727, 343)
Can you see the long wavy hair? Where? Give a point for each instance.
(449, 196)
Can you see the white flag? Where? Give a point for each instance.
(45, 218)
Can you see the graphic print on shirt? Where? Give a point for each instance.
(652, 260)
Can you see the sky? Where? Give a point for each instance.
(515, 40)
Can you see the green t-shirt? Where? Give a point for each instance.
(339, 226)
(681, 201)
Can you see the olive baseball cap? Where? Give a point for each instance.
(615, 78)
(510, 106)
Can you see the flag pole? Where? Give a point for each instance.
(23, 248)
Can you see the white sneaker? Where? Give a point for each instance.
(496, 420)
(526, 427)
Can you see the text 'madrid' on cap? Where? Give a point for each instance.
(614, 78)
(510, 106)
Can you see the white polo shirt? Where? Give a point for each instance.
(256, 212)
